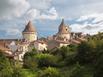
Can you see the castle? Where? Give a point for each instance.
(16, 48)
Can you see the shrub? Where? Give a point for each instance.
(78, 71)
(50, 72)
(45, 60)
(29, 60)
(23, 73)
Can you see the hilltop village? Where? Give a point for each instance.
(16, 48)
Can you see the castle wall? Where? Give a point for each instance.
(67, 36)
(30, 36)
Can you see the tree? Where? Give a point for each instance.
(29, 60)
(70, 60)
(6, 69)
(62, 52)
(50, 72)
(99, 66)
(72, 48)
(45, 60)
(78, 71)
(23, 73)
(84, 53)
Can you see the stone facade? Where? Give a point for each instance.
(63, 31)
(29, 32)
(17, 48)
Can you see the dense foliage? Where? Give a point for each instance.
(83, 60)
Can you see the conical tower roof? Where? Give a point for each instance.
(63, 28)
(62, 23)
(29, 27)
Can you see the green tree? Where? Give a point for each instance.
(70, 60)
(50, 72)
(45, 60)
(84, 53)
(62, 52)
(29, 60)
(99, 66)
(23, 73)
(78, 71)
(6, 69)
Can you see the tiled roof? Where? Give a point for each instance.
(39, 41)
(62, 41)
(3, 48)
(29, 27)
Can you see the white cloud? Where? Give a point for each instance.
(32, 14)
(16, 8)
(37, 14)
(13, 8)
(77, 8)
(96, 16)
(40, 4)
(13, 32)
(51, 14)
(91, 27)
(82, 10)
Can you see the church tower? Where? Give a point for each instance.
(29, 33)
(64, 31)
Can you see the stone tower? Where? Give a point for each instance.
(29, 33)
(64, 31)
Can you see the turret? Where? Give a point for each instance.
(64, 31)
(29, 33)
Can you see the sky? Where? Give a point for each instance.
(80, 15)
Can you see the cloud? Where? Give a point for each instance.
(86, 15)
(76, 8)
(12, 31)
(13, 8)
(40, 4)
(98, 17)
(50, 14)
(91, 27)
(17, 8)
(11, 28)
(17, 11)
(32, 14)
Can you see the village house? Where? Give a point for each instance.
(18, 47)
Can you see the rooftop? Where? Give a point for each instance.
(29, 27)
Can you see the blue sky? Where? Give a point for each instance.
(81, 15)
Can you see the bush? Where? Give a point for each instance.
(78, 71)
(50, 72)
(23, 73)
(6, 69)
(99, 66)
(70, 60)
(62, 52)
(85, 53)
(29, 60)
(45, 60)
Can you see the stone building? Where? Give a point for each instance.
(18, 47)
(63, 32)
(29, 33)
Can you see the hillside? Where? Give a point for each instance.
(83, 60)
